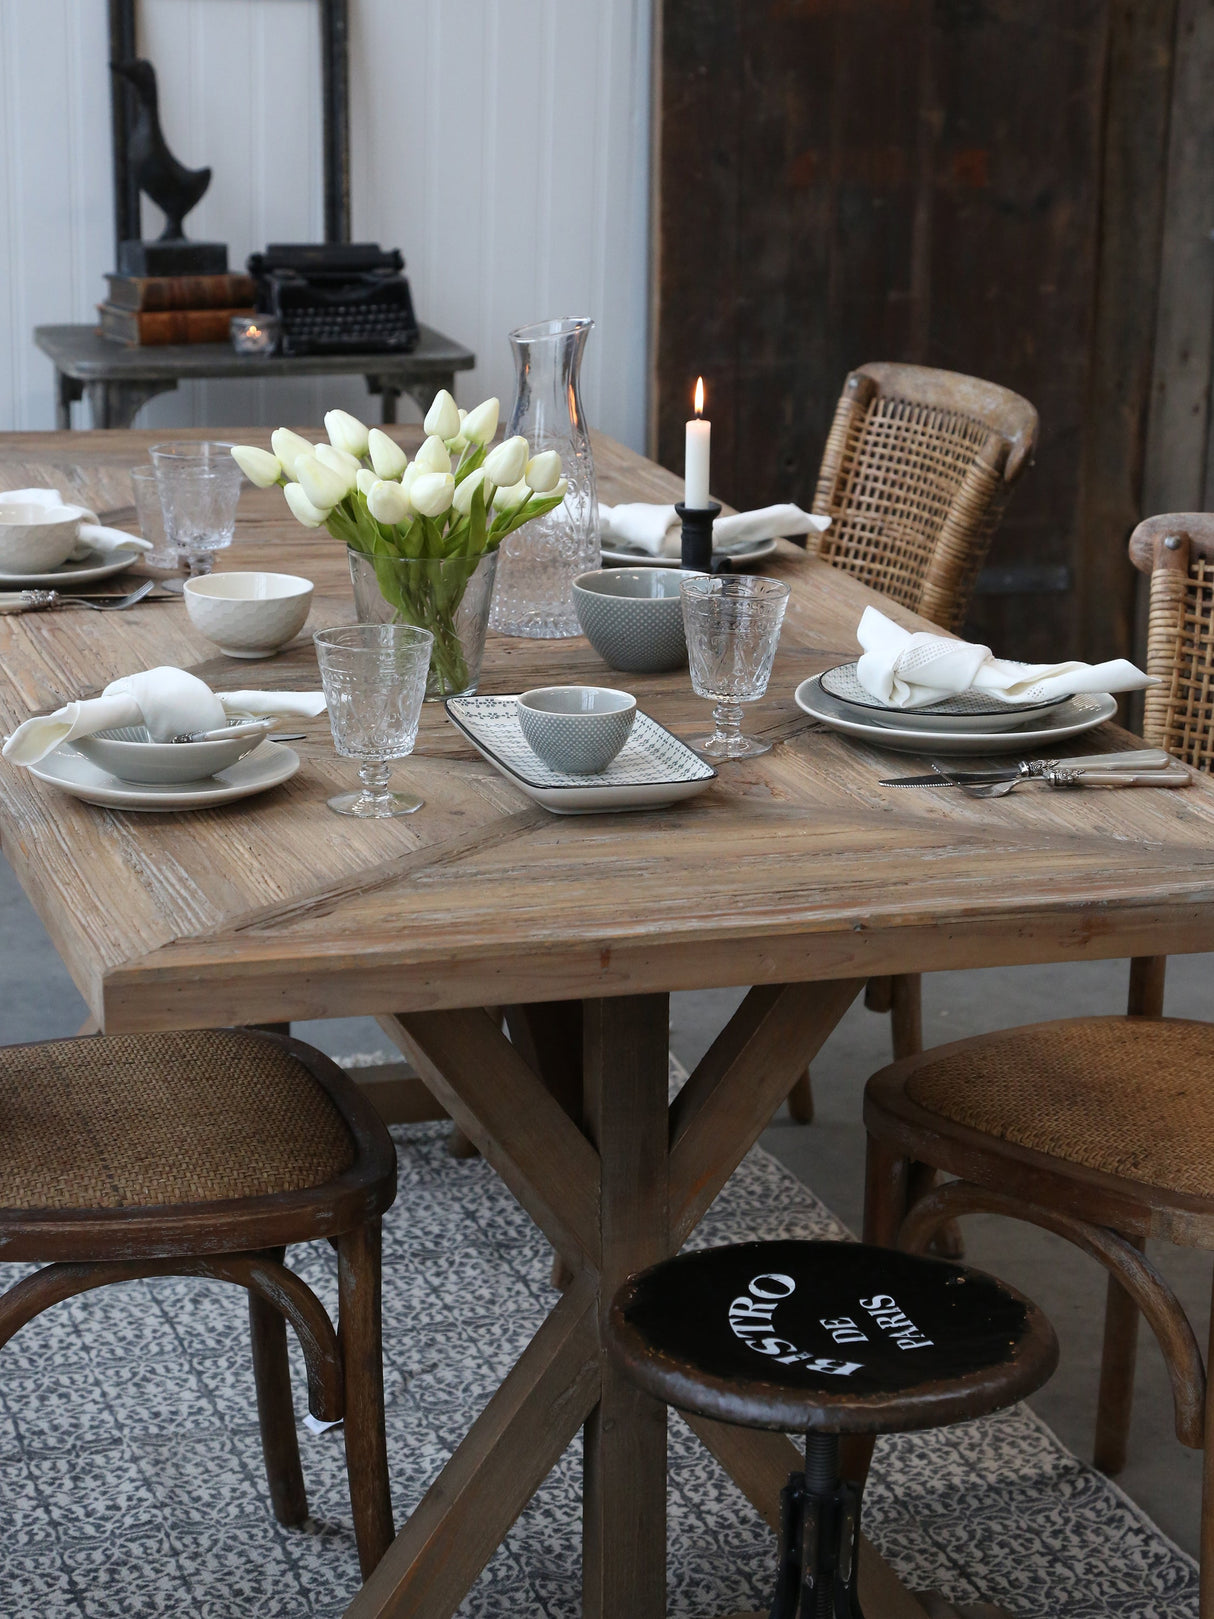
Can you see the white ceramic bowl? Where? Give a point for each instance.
(129, 755)
(34, 537)
(633, 617)
(577, 729)
(248, 615)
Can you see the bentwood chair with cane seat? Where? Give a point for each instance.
(1099, 1129)
(206, 1154)
(915, 476)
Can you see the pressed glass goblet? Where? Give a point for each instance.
(199, 488)
(150, 512)
(732, 624)
(374, 676)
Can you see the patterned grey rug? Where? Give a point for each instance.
(131, 1480)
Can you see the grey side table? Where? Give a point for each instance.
(119, 381)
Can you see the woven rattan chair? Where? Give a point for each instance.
(1098, 1129)
(915, 476)
(206, 1154)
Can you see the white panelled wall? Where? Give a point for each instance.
(502, 145)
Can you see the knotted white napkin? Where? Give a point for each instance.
(92, 536)
(656, 529)
(908, 669)
(170, 702)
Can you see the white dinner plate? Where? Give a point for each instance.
(96, 565)
(267, 766)
(1072, 718)
(616, 555)
(969, 711)
(651, 770)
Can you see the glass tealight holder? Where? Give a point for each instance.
(254, 334)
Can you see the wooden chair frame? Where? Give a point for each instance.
(1106, 1216)
(243, 1241)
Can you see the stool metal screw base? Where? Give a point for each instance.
(819, 1539)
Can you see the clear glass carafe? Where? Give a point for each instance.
(538, 563)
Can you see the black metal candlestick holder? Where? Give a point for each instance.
(697, 534)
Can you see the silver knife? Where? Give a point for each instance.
(1140, 759)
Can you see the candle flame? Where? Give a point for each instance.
(699, 396)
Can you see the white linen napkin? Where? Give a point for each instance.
(92, 536)
(656, 529)
(908, 669)
(170, 702)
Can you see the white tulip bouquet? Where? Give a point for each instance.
(443, 512)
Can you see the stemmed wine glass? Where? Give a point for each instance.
(732, 625)
(374, 676)
(199, 487)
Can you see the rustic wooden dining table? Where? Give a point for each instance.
(795, 874)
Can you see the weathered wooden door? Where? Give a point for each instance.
(973, 184)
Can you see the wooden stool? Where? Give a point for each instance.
(205, 1154)
(826, 1339)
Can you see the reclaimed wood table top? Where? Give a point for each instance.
(794, 873)
(82, 352)
(793, 866)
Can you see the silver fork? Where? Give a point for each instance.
(33, 601)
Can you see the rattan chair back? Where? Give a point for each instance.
(1177, 550)
(915, 475)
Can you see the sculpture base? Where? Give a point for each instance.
(172, 258)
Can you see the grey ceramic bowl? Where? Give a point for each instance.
(129, 755)
(578, 729)
(633, 617)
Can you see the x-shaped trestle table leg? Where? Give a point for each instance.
(621, 1192)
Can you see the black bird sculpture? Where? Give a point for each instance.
(171, 186)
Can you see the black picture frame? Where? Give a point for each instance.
(335, 115)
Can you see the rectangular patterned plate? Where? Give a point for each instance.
(652, 769)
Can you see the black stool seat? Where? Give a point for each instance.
(828, 1337)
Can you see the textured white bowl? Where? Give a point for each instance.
(248, 615)
(34, 538)
(578, 729)
(129, 755)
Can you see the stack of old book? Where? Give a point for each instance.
(148, 309)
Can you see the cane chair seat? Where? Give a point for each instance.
(1128, 1097)
(831, 1337)
(196, 1141)
(139, 1120)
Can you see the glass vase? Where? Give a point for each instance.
(449, 596)
(540, 561)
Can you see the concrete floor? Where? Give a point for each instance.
(38, 1001)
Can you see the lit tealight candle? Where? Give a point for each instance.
(696, 455)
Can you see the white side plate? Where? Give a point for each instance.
(97, 565)
(1072, 718)
(651, 770)
(267, 766)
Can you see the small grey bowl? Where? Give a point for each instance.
(633, 617)
(577, 729)
(130, 755)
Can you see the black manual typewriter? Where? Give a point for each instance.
(339, 298)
